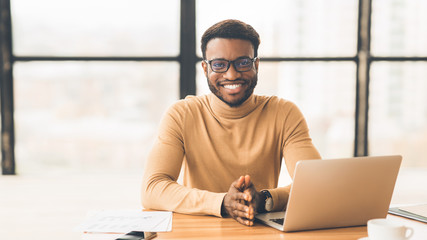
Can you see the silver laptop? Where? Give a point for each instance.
(337, 193)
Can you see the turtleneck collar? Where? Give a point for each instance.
(221, 109)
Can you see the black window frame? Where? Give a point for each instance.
(187, 60)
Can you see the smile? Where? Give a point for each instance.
(232, 86)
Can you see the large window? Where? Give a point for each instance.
(92, 78)
(398, 113)
(85, 115)
(89, 116)
(398, 103)
(310, 28)
(95, 28)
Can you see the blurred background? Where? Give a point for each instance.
(92, 78)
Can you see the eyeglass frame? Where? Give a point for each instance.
(229, 62)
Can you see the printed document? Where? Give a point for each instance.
(124, 221)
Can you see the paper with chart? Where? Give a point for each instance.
(124, 221)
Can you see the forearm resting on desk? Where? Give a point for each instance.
(171, 196)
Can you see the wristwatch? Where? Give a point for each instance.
(268, 200)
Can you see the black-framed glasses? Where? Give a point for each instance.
(243, 64)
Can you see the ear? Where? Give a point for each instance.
(205, 68)
(256, 64)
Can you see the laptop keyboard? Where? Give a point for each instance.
(277, 220)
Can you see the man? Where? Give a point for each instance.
(230, 143)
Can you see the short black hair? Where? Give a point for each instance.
(231, 29)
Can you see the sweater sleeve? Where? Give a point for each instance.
(296, 145)
(160, 191)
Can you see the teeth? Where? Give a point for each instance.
(233, 86)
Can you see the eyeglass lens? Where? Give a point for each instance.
(241, 64)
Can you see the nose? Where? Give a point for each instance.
(231, 73)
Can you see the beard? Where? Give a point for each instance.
(251, 83)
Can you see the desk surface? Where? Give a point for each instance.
(208, 227)
(205, 227)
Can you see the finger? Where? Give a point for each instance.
(241, 220)
(237, 209)
(244, 221)
(242, 214)
(250, 213)
(249, 222)
(248, 182)
(237, 196)
(248, 195)
(247, 211)
(251, 193)
(239, 183)
(240, 206)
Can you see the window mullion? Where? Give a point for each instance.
(188, 58)
(6, 80)
(362, 79)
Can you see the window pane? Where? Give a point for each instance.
(290, 28)
(398, 111)
(92, 116)
(325, 93)
(95, 27)
(398, 28)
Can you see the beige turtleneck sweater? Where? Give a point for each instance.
(215, 144)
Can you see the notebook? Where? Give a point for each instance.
(417, 212)
(337, 193)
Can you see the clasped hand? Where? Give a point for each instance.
(241, 201)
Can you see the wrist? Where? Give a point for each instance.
(223, 210)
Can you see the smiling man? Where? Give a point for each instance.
(235, 86)
(230, 143)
